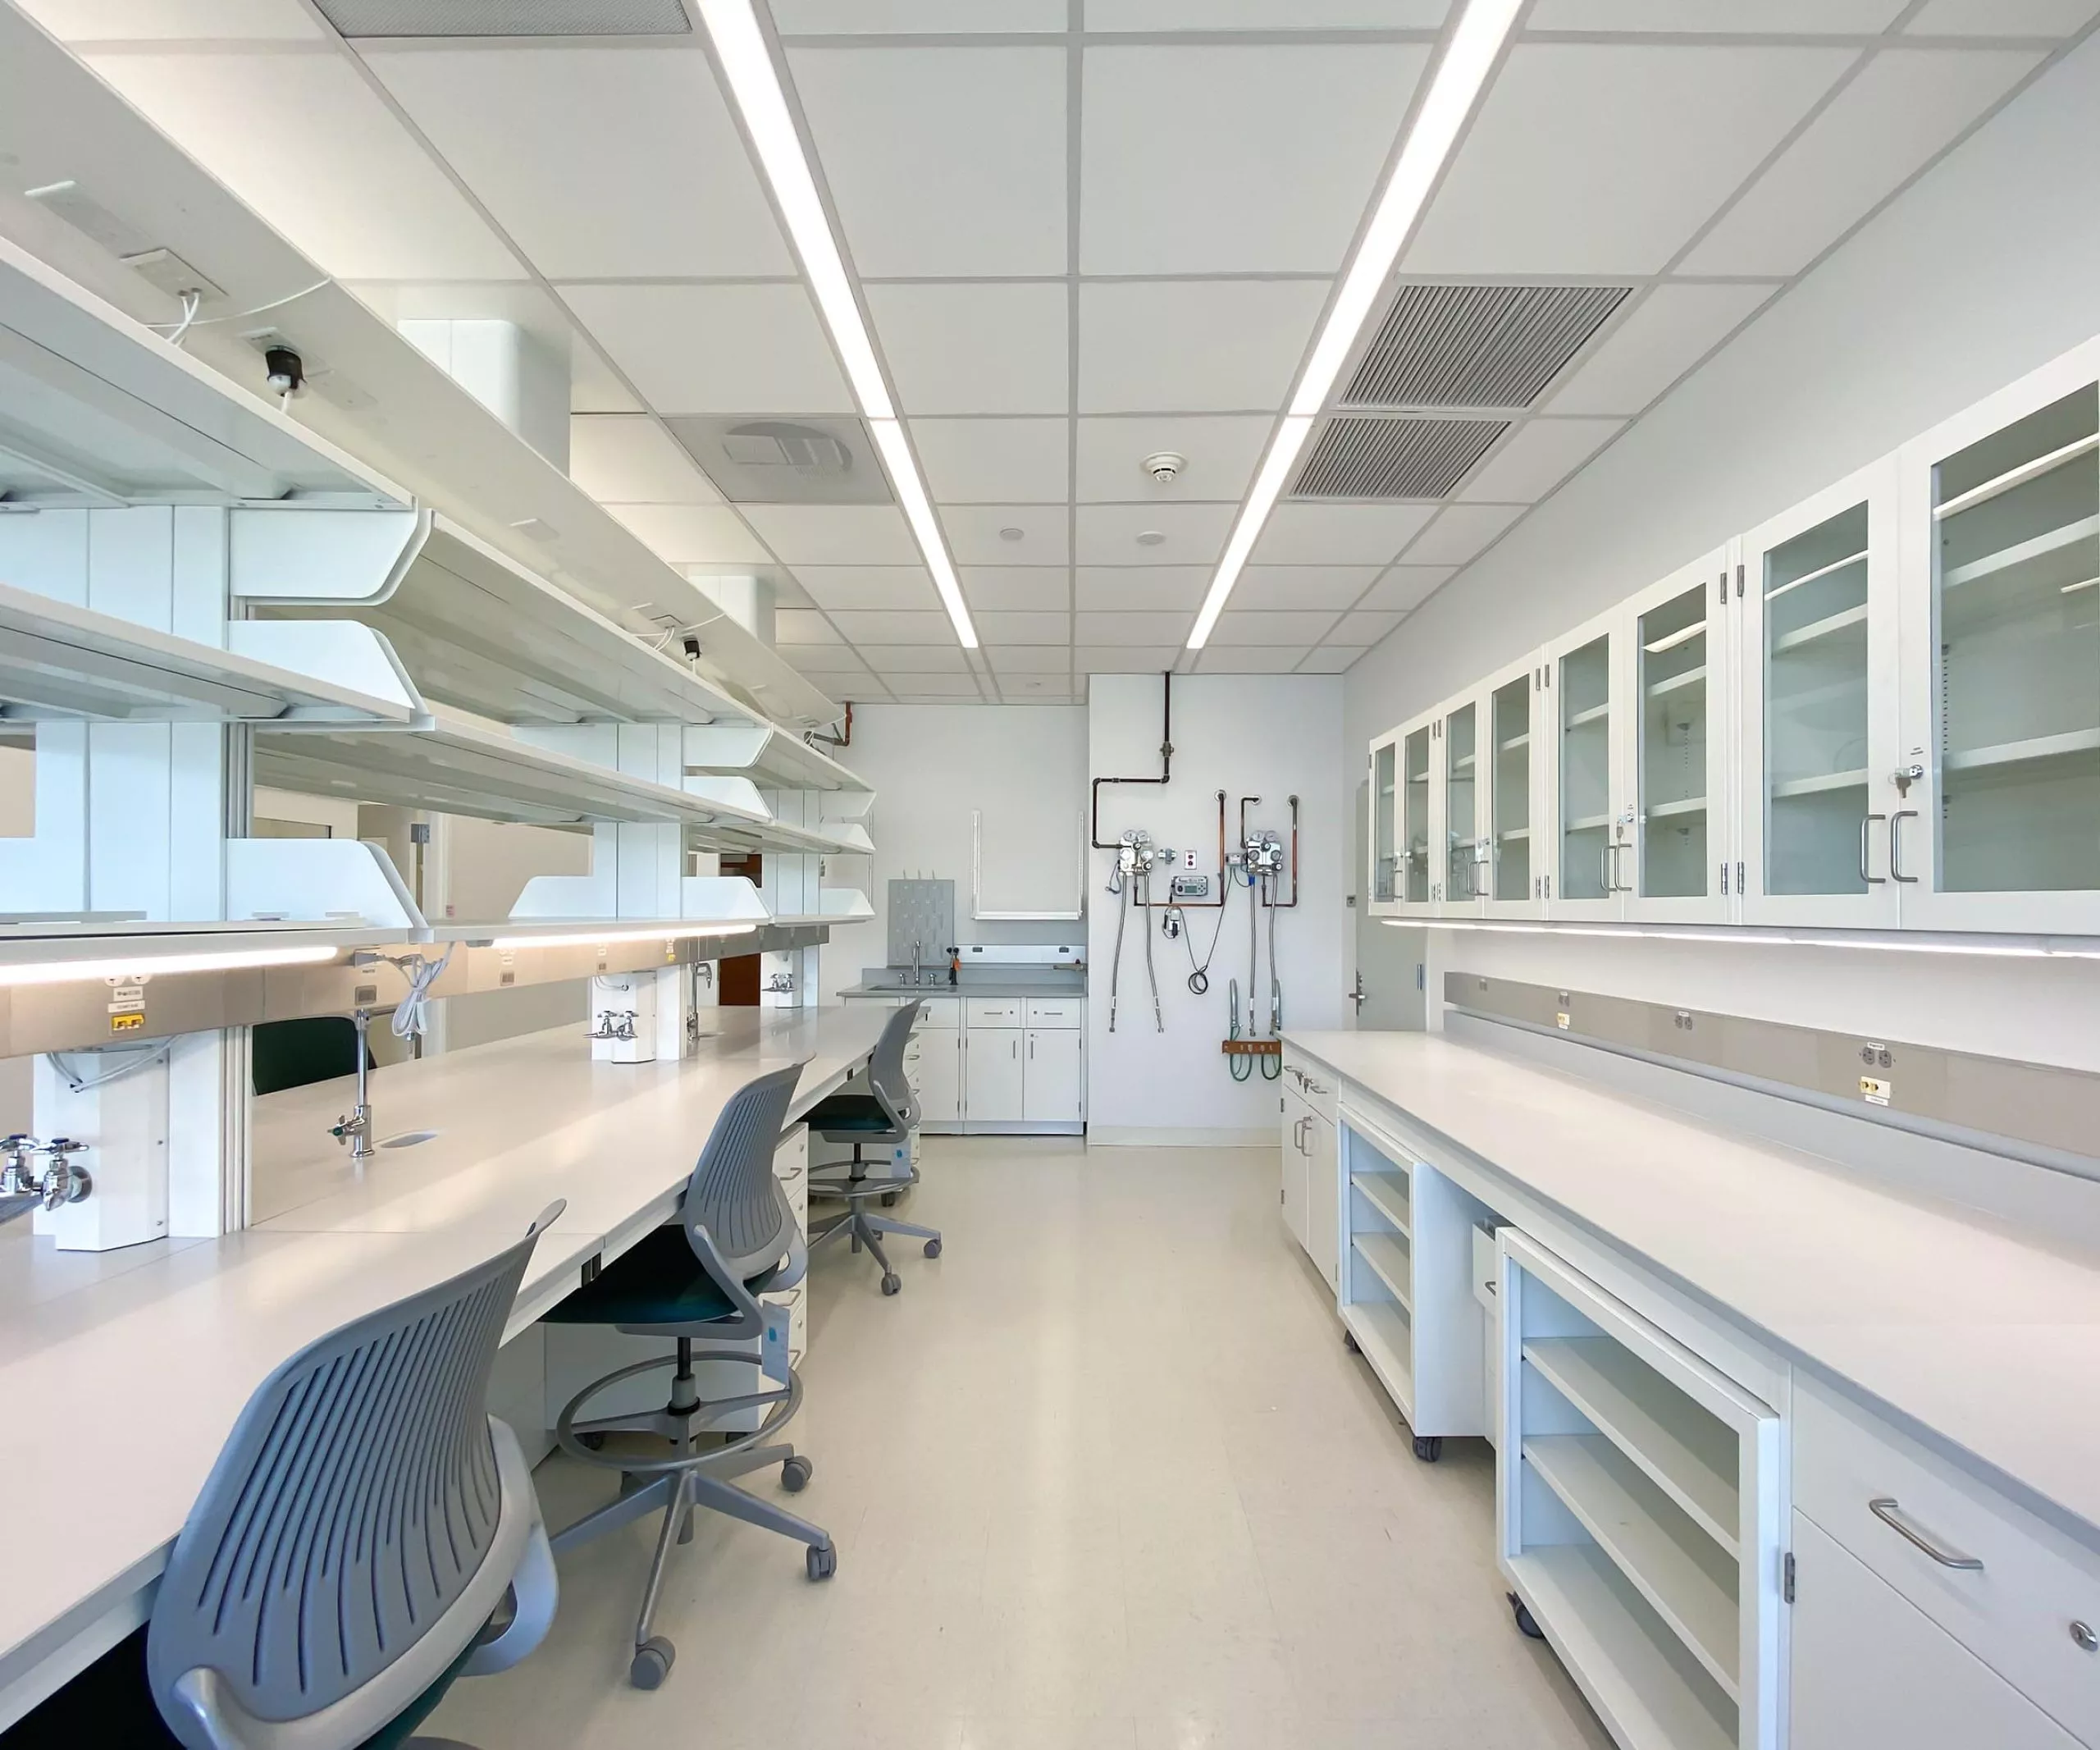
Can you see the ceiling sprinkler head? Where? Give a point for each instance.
(1165, 466)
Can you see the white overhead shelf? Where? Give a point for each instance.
(768, 754)
(60, 661)
(842, 905)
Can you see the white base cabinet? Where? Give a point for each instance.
(994, 1076)
(1014, 1065)
(1053, 1078)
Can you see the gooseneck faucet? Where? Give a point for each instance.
(356, 1129)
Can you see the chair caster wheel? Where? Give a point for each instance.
(1525, 1626)
(891, 1282)
(652, 1663)
(821, 1562)
(795, 1474)
(592, 1442)
(1350, 1343)
(1429, 1450)
(889, 1199)
(933, 1248)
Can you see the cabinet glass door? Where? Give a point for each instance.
(1675, 845)
(1462, 869)
(1383, 862)
(1509, 793)
(1415, 870)
(1588, 852)
(2015, 590)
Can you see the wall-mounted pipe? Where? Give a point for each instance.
(1165, 762)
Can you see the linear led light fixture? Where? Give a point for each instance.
(1481, 30)
(753, 82)
(1753, 938)
(605, 938)
(150, 965)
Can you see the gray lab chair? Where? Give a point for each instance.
(698, 1278)
(353, 1547)
(886, 1114)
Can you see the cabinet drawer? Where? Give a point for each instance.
(1487, 1269)
(2016, 1611)
(791, 1158)
(1315, 1083)
(1055, 1012)
(992, 1012)
(938, 1013)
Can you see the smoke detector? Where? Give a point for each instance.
(1165, 466)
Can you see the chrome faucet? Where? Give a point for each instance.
(356, 1129)
(23, 1189)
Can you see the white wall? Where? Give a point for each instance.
(1983, 270)
(1024, 767)
(1269, 736)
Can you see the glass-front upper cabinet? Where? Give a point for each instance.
(1459, 740)
(2001, 827)
(1818, 749)
(1679, 863)
(1422, 867)
(1589, 871)
(1512, 877)
(1384, 873)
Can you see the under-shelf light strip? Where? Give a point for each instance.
(755, 84)
(605, 938)
(1475, 42)
(146, 964)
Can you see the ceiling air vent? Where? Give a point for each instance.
(1477, 346)
(364, 18)
(1376, 458)
(785, 461)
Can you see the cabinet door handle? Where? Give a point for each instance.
(1895, 844)
(1890, 1514)
(1866, 826)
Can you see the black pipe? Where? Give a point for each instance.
(1165, 762)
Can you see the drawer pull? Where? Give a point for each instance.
(1890, 1514)
(2082, 1633)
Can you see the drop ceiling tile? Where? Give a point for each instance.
(1218, 454)
(1605, 158)
(75, 21)
(1331, 659)
(716, 349)
(1235, 159)
(788, 593)
(692, 534)
(1460, 532)
(1407, 587)
(1537, 457)
(1194, 346)
(1237, 627)
(1280, 587)
(313, 149)
(995, 461)
(835, 534)
(917, 659)
(1135, 588)
(869, 586)
(1018, 587)
(1124, 659)
(623, 458)
(915, 17)
(1265, 15)
(1112, 630)
(1903, 109)
(594, 386)
(868, 628)
(599, 162)
(942, 162)
(977, 534)
(1030, 659)
(924, 689)
(1035, 689)
(975, 348)
(1117, 534)
(1025, 628)
(2058, 18)
(794, 627)
(1339, 534)
(1730, 17)
(1671, 329)
(1364, 629)
(1249, 659)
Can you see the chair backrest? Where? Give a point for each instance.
(352, 1507)
(886, 1074)
(293, 1053)
(733, 1193)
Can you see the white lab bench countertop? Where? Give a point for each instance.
(121, 1375)
(1984, 1335)
(1048, 983)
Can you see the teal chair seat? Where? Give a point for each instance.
(844, 1113)
(658, 1282)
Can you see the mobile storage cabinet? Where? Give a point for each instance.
(1637, 1499)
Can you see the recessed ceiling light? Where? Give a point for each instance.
(1010, 534)
(1469, 56)
(1150, 538)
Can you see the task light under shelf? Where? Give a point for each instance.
(147, 964)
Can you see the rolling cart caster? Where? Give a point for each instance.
(1429, 1448)
(652, 1663)
(821, 1562)
(1525, 1626)
(794, 1473)
(592, 1442)
(889, 1199)
(891, 1282)
(933, 1248)
(1350, 1343)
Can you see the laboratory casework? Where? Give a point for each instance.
(1095, 873)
